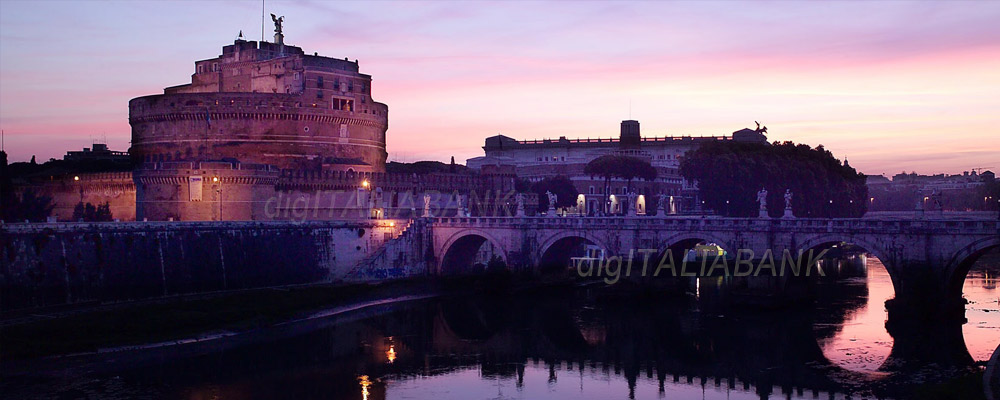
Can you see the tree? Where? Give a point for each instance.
(90, 213)
(559, 185)
(735, 172)
(29, 206)
(619, 166)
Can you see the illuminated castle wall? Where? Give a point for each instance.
(265, 104)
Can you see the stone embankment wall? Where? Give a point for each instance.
(64, 263)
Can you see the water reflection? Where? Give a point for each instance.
(982, 331)
(861, 342)
(565, 343)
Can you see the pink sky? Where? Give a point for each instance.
(890, 85)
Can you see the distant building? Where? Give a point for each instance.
(99, 152)
(909, 191)
(539, 159)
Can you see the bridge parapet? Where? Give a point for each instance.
(724, 224)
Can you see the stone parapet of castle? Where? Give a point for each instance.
(203, 191)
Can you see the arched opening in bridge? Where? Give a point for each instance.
(976, 279)
(688, 255)
(471, 254)
(849, 286)
(561, 256)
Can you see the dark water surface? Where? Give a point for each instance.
(560, 343)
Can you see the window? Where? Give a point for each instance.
(215, 67)
(319, 94)
(296, 76)
(201, 68)
(342, 104)
(591, 191)
(319, 81)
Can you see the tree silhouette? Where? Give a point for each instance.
(90, 213)
(561, 186)
(29, 206)
(822, 186)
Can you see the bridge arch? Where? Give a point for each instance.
(685, 240)
(559, 248)
(457, 255)
(822, 240)
(880, 252)
(963, 260)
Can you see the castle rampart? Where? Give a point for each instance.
(203, 191)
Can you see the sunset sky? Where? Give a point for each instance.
(890, 85)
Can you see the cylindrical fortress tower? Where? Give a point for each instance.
(213, 149)
(261, 128)
(267, 104)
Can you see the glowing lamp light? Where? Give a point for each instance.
(391, 354)
(365, 183)
(215, 179)
(76, 178)
(392, 224)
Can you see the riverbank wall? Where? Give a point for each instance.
(56, 264)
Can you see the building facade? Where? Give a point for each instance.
(539, 159)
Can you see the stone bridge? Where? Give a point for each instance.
(925, 257)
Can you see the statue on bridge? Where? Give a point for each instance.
(661, 203)
(427, 206)
(519, 199)
(762, 199)
(552, 203)
(463, 206)
(788, 205)
(632, 204)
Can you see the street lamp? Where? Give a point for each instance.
(365, 184)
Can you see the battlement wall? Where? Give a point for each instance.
(114, 188)
(203, 191)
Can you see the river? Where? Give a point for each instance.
(574, 343)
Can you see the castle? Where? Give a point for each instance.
(265, 131)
